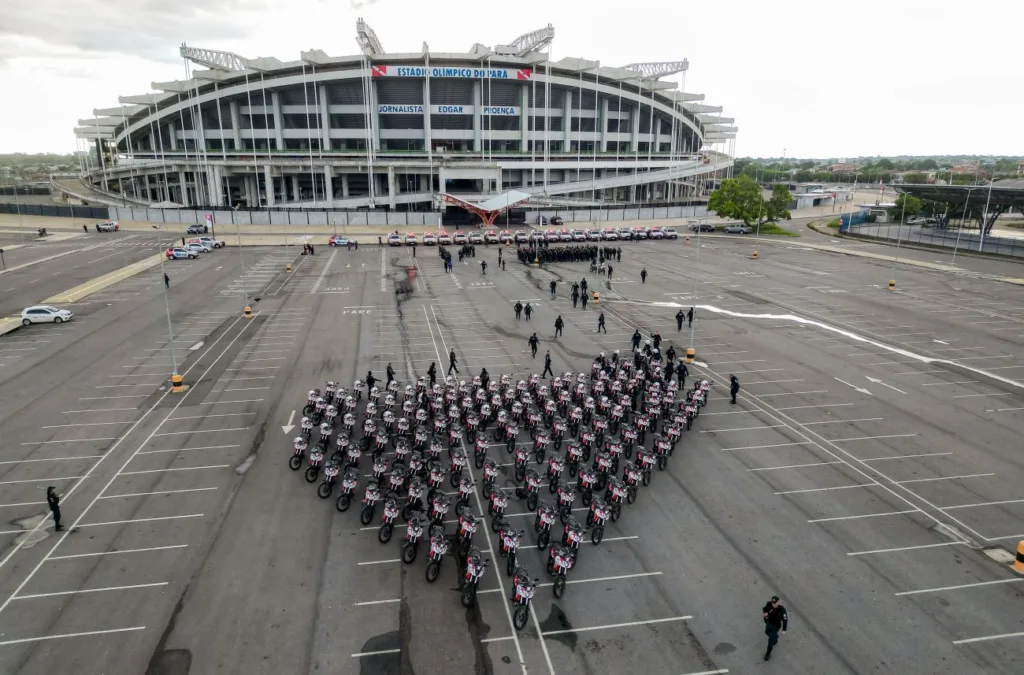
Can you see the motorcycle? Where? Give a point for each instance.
(603, 468)
(348, 488)
(479, 452)
(575, 420)
(454, 436)
(550, 410)
(509, 539)
(438, 547)
(490, 469)
(588, 440)
(559, 564)
(558, 432)
(496, 507)
(435, 478)
(555, 467)
(459, 462)
(615, 495)
(413, 498)
(646, 461)
(316, 457)
(467, 528)
(298, 453)
(475, 567)
(413, 533)
(540, 445)
(614, 449)
(370, 498)
(420, 438)
(331, 470)
(307, 427)
(438, 508)
(632, 477)
(586, 484)
(387, 524)
(465, 491)
(628, 435)
(401, 454)
(521, 463)
(524, 589)
(572, 536)
(566, 496)
(574, 457)
(661, 449)
(531, 490)
(511, 431)
(472, 425)
(596, 519)
(543, 523)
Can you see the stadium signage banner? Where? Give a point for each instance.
(387, 70)
(417, 109)
(501, 110)
(389, 109)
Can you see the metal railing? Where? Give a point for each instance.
(958, 240)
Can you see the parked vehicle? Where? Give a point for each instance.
(198, 228)
(44, 314)
(108, 226)
(734, 229)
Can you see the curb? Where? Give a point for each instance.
(100, 283)
(41, 260)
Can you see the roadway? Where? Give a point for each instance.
(867, 475)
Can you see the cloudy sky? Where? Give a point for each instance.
(813, 79)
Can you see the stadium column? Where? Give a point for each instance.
(236, 124)
(524, 117)
(325, 118)
(296, 195)
(566, 123)
(477, 112)
(344, 186)
(183, 187)
(173, 131)
(604, 125)
(214, 180)
(392, 187)
(329, 185)
(634, 137)
(427, 133)
(275, 99)
(268, 179)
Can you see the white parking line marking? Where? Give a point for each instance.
(758, 447)
(71, 635)
(199, 431)
(158, 492)
(244, 389)
(929, 480)
(184, 468)
(80, 424)
(50, 459)
(616, 625)
(376, 602)
(716, 431)
(140, 520)
(103, 398)
(747, 384)
(361, 654)
(203, 417)
(984, 638)
(822, 405)
(89, 590)
(710, 672)
(869, 515)
(969, 506)
(379, 562)
(71, 412)
(923, 454)
(202, 447)
(958, 587)
(981, 395)
(71, 440)
(869, 438)
(863, 419)
(37, 480)
(838, 487)
(614, 578)
(608, 539)
(127, 550)
(794, 393)
(795, 466)
(496, 639)
(908, 548)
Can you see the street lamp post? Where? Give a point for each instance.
(961, 228)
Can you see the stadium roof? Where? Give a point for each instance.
(1005, 193)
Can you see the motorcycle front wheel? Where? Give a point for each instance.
(520, 616)
(647, 477)
(552, 486)
(542, 540)
(520, 473)
(468, 595)
(366, 516)
(495, 524)
(478, 461)
(307, 409)
(662, 462)
(531, 501)
(343, 502)
(409, 553)
(294, 462)
(311, 473)
(559, 587)
(324, 489)
(510, 445)
(558, 442)
(454, 478)
(510, 566)
(573, 469)
(384, 533)
(631, 494)
(597, 534)
(616, 511)
(433, 571)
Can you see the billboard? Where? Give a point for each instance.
(389, 70)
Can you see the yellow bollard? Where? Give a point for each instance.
(597, 297)
(755, 256)
(687, 239)
(892, 284)
(1018, 564)
(176, 384)
(536, 261)
(288, 267)
(248, 312)
(691, 354)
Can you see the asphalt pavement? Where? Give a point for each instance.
(869, 474)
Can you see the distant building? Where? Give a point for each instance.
(1020, 168)
(843, 167)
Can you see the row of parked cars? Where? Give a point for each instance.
(442, 238)
(193, 248)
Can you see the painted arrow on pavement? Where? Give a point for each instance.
(884, 384)
(863, 391)
(287, 428)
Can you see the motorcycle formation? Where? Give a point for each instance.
(581, 436)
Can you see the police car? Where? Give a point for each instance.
(108, 226)
(197, 229)
(475, 238)
(443, 238)
(491, 237)
(460, 238)
(505, 237)
(394, 239)
(410, 239)
(207, 241)
(429, 239)
(521, 237)
(177, 253)
(338, 240)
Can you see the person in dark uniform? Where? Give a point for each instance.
(583, 286)
(529, 311)
(452, 363)
(656, 339)
(682, 371)
(547, 365)
(776, 621)
(483, 267)
(432, 373)
(679, 320)
(669, 370)
(734, 387)
(167, 281)
(533, 341)
(559, 324)
(583, 299)
(609, 271)
(636, 339)
(370, 380)
(689, 317)
(600, 323)
(391, 373)
(643, 276)
(575, 296)
(519, 309)
(552, 285)
(671, 354)
(53, 501)
(484, 378)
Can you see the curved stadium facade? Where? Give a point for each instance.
(395, 131)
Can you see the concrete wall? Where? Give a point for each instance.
(285, 217)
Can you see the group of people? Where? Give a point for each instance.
(580, 253)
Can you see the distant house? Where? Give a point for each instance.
(843, 167)
(1020, 168)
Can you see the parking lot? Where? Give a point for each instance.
(869, 473)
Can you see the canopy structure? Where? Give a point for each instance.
(490, 209)
(984, 202)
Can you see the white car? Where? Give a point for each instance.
(444, 239)
(211, 242)
(669, 233)
(394, 239)
(198, 247)
(44, 314)
(579, 235)
(108, 226)
(177, 253)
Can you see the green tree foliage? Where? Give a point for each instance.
(913, 207)
(741, 198)
(915, 178)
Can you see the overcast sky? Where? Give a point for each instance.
(813, 79)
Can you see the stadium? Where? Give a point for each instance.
(407, 132)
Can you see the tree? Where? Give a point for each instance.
(808, 164)
(741, 198)
(885, 164)
(915, 178)
(913, 206)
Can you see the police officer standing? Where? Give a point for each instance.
(452, 363)
(575, 295)
(391, 373)
(734, 388)
(776, 621)
(519, 309)
(370, 380)
(559, 324)
(689, 317)
(552, 285)
(636, 339)
(679, 320)
(643, 276)
(53, 501)
(529, 311)
(432, 373)
(547, 365)
(600, 323)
